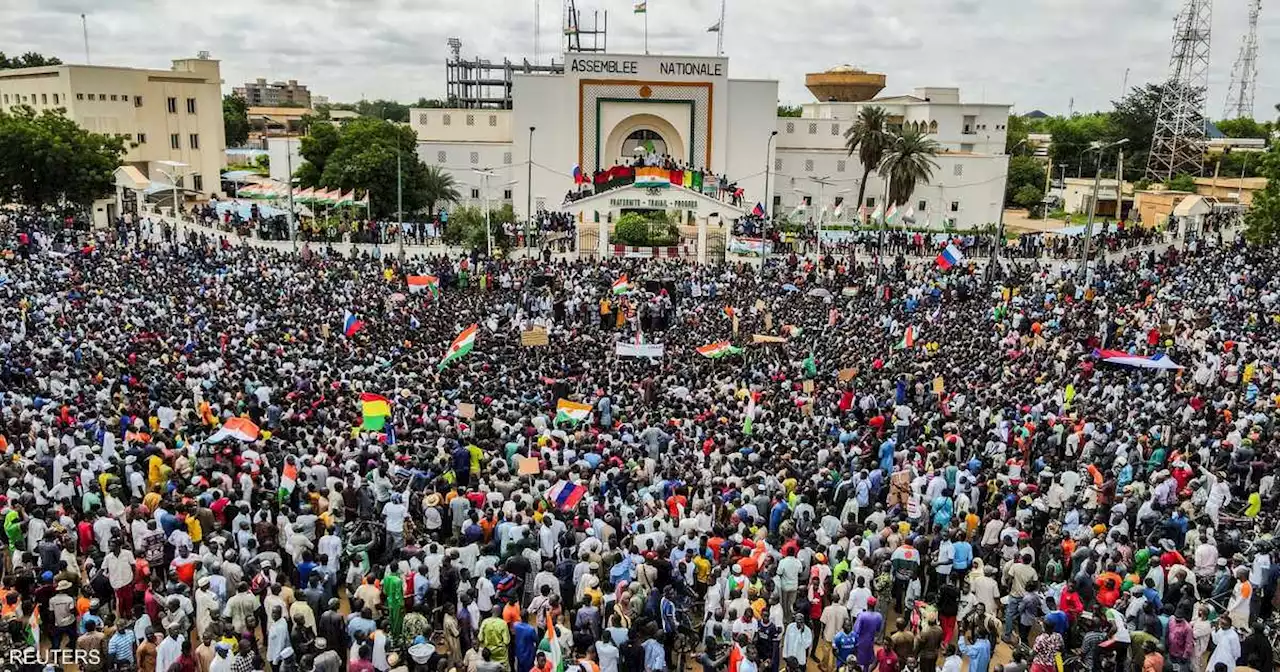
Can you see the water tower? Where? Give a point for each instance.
(844, 84)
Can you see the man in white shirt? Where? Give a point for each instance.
(119, 565)
(394, 512)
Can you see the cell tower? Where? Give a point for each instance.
(1177, 145)
(1244, 74)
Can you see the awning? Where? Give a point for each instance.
(239, 175)
(130, 178)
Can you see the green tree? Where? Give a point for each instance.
(235, 120)
(28, 60)
(1023, 171)
(789, 110)
(47, 158)
(1236, 164)
(466, 227)
(388, 110)
(438, 188)
(1015, 133)
(1074, 136)
(1245, 127)
(1028, 196)
(908, 162)
(316, 148)
(869, 138)
(366, 155)
(1182, 182)
(430, 103)
(1262, 221)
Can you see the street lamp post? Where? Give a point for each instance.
(822, 182)
(174, 174)
(292, 218)
(528, 197)
(1093, 207)
(768, 202)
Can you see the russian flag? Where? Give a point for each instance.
(758, 211)
(566, 495)
(577, 174)
(950, 256)
(351, 324)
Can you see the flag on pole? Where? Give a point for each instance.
(718, 349)
(892, 214)
(351, 324)
(749, 418)
(910, 217)
(878, 215)
(621, 285)
(571, 411)
(641, 6)
(578, 177)
(376, 410)
(908, 339)
(460, 346)
(950, 256)
(551, 645)
(715, 27)
(758, 211)
(810, 366)
(862, 215)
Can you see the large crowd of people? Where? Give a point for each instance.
(870, 468)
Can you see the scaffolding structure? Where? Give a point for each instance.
(1244, 74)
(479, 83)
(574, 32)
(1177, 146)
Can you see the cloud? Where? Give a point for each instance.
(1031, 53)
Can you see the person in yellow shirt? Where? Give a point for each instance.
(606, 312)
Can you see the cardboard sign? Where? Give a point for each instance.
(534, 338)
(761, 338)
(759, 304)
(937, 385)
(847, 374)
(808, 387)
(529, 466)
(807, 409)
(768, 321)
(466, 410)
(735, 325)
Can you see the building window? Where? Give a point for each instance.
(475, 194)
(102, 96)
(808, 165)
(813, 129)
(777, 202)
(506, 194)
(191, 106)
(777, 164)
(114, 98)
(173, 105)
(922, 206)
(471, 120)
(493, 121)
(55, 99)
(128, 136)
(142, 138)
(44, 99)
(791, 127)
(441, 156)
(448, 119)
(422, 119)
(958, 170)
(933, 126)
(955, 206)
(475, 158)
(79, 96)
(197, 182)
(839, 201)
(174, 142)
(841, 165)
(871, 201)
(835, 129)
(506, 158)
(966, 146)
(137, 101)
(194, 140)
(6, 99)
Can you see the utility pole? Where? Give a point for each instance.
(822, 182)
(528, 202)
(768, 202)
(84, 29)
(1093, 208)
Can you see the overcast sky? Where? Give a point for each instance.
(1029, 53)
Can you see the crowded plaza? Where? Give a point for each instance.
(221, 457)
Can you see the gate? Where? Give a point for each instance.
(715, 247)
(588, 242)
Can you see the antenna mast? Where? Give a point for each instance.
(1178, 142)
(1244, 74)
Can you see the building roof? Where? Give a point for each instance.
(1233, 182)
(279, 111)
(1192, 206)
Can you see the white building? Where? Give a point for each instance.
(595, 113)
(165, 117)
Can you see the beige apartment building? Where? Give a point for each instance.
(164, 115)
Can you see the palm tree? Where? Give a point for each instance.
(868, 137)
(909, 161)
(438, 187)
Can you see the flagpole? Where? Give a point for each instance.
(646, 29)
(720, 33)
